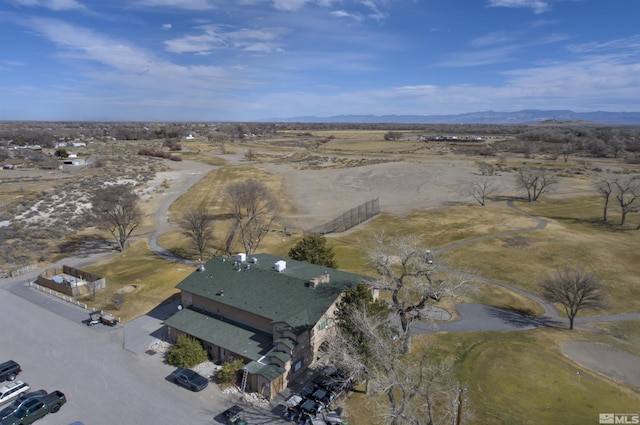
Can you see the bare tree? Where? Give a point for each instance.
(535, 181)
(481, 190)
(628, 191)
(486, 169)
(393, 135)
(617, 146)
(605, 188)
(115, 208)
(407, 272)
(254, 208)
(405, 389)
(575, 290)
(567, 150)
(197, 224)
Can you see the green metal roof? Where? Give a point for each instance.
(231, 336)
(260, 289)
(270, 372)
(288, 342)
(283, 357)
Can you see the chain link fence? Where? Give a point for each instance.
(349, 219)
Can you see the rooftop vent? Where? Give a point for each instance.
(280, 266)
(201, 268)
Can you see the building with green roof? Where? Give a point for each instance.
(272, 312)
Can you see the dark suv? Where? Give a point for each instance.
(9, 370)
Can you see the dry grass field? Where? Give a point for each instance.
(423, 189)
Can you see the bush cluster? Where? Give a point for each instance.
(230, 372)
(187, 352)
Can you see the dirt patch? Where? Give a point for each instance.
(127, 289)
(402, 187)
(616, 364)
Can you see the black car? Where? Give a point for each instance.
(233, 416)
(9, 370)
(189, 379)
(18, 402)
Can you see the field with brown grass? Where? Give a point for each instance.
(423, 189)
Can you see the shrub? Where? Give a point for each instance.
(187, 352)
(228, 374)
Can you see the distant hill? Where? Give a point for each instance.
(528, 116)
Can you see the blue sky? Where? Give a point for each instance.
(244, 60)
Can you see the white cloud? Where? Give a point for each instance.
(479, 57)
(292, 5)
(344, 14)
(376, 12)
(214, 37)
(622, 44)
(179, 4)
(166, 26)
(119, 63)
(288, 5)
(492, 38)
(538, 6)
(50, 4)
(201, 43)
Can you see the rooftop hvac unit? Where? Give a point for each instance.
(280, 266)
(242, 257)
(254, 260)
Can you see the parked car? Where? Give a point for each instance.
(9, 370)
(13, 390)
(291, 410)
(233, 416)
(311, 407)
(34, 409)
(189, 379)
(19, 401)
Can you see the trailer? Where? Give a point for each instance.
(97, 317)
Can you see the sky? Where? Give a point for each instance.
(250, 60)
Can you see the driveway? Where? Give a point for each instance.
(479, 317)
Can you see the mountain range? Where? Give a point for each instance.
(527, 116)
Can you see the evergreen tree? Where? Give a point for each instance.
(313, 249)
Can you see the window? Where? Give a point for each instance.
(323, 324)
(297, 366)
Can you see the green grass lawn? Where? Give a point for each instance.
(574, 238)
(514, 379)
(154, 280)
(519, 378)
